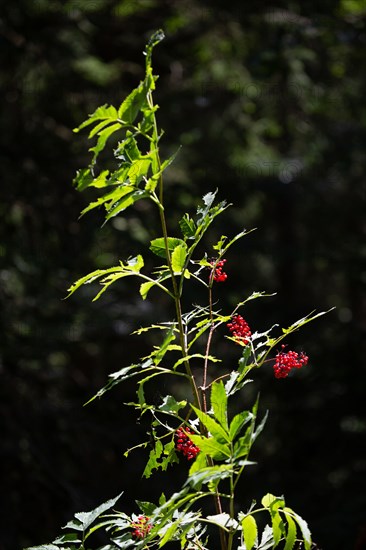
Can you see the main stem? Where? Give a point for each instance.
(176, 293)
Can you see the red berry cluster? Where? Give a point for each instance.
(184, 444)
(240, 330)
(141, 527)
(285, 361)
(219, 276)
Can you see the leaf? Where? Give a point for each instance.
(70, 537)
(277, 528)
(145, 287)
(135, 101)
(125, 202)
(157, 246)
(208, 475)
(139, 168)
(219, 403)
(223, 520)
(238, 422)
(85, 519)
(178, 258)
(104, 112)
(154, 456)
(43, 547)
(291, 532)
(303, 527)
(211, 447)
(104, 135)
(170, 405)
(187, 226)
(146, 508)
(250, 531)
(215, 429)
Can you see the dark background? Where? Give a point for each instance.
(268, 101)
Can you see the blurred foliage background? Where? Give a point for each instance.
(267, 101)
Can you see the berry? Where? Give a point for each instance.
(240, 330)
(219, 276)
(185, 445)
(141, 527)
(285, 361)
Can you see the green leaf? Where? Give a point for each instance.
(70, 537)
(219, 403)
(125, 202)
(187, 226)
(43, 547)
(272, 502)
(85, 519)
(211, 447)
(146, 508)
(238, 422)
(210, 474)
(136, 101)
(250, 531)
(104, 112)
(139, 168)
(291, 532)
(178, 258)
(104, 135)
(277, 528)
(215, 429)
(157, 246)
(303, 527)
(154, 456)
(145, 287)
(170, 405)
(223, 520)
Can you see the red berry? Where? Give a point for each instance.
(240, 330)
(141, 527)
(285, 361)
(184, 444)
(219, 276)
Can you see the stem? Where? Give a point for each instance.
(217, 500)
(176, 292)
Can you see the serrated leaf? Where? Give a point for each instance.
(219, 403)
(171, 405)
(238, 422)
(139, 168)
(87, 518)
(103, 137)
(178, 258)
(146, 508)
(215, 429)
(154, 456)
(187, 226)
(223, 520)
(303, 528)
(104, 112)
(277, 528)
(291, 532)
(211, 447)
(70, 537)
(43, 547)
(157, 246)
(125, 202)
(208, 475)
(145, 287)
(135, 101)
(250, 531)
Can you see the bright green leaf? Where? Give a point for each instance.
(215, 429)
(250, 531)
(178, 258)
(219, 403)
(157, 246)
